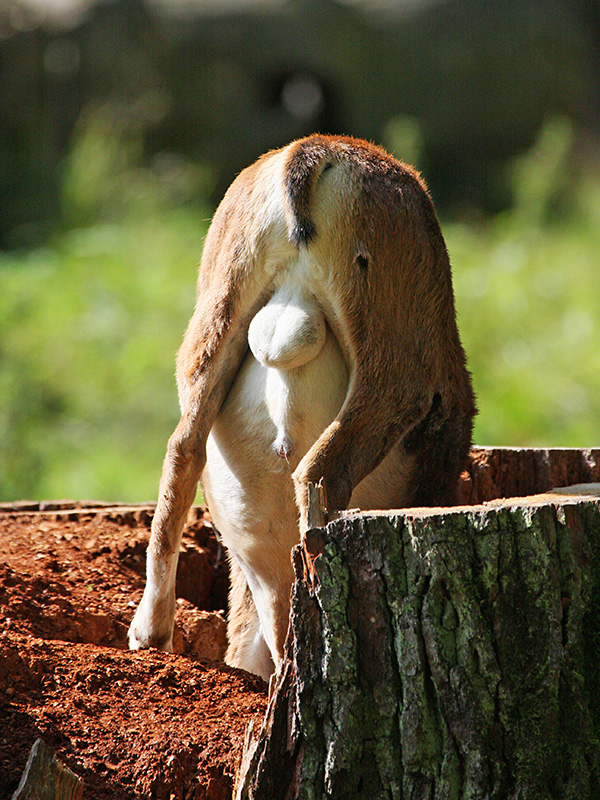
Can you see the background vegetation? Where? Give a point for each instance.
(104, 221)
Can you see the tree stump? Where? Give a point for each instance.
(495, 472)
(438, 654)
(46, 778)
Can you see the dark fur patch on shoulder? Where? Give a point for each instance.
(303, 232)
(300, 174)
(382, 176)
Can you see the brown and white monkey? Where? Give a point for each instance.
(324, 346)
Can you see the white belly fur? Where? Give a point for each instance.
(272, 416)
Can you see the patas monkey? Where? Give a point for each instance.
(323, 346)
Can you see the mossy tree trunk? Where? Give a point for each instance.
(438, 655)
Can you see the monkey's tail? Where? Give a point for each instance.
(308, 159)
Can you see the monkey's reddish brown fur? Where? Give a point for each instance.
(388, 299)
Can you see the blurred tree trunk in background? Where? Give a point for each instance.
(588, 12)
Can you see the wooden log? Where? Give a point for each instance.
(317, 506)
(440, 654)
(494, 472)
(46, 778)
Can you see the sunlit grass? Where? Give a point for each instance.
(90, 327)
(529, 312)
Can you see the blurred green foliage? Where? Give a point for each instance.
(90, 322)
(465, 84)
(90, 326)
(528, 295)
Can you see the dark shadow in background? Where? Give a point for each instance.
(478, 78)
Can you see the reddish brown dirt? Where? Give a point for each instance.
(132, 725)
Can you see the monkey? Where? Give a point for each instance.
(323, 347)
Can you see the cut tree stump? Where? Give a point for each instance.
(46, 778)
(495, 472)
(441, 654)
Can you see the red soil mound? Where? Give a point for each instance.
(132, 725)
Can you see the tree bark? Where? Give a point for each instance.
(437, 655)
(494, 472)
(46, 778)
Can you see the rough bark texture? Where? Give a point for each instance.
(438, 655)
(46, 778)
(494, 472)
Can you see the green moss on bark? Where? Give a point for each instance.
(450, 655)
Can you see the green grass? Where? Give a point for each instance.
(529, 311)
(90, 327)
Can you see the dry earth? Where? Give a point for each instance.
(152, 725)
(132, 725)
